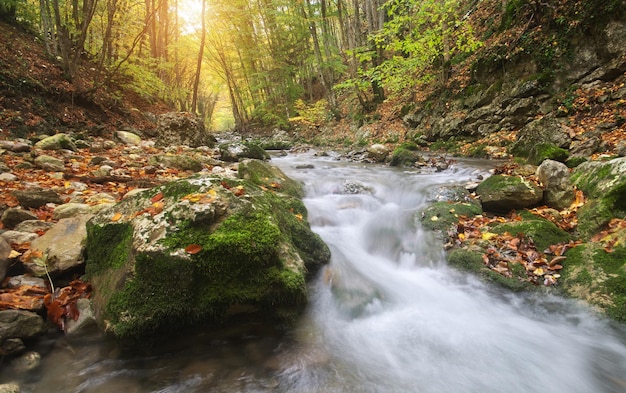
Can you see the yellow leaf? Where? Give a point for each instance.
(489, 235)
(434, 218)
(212, 192)
(539, 272)
(461, 236)
(116, 217)
(299, 217)
(14, 254)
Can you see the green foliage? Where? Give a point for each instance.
(316, 114)
(416, 33)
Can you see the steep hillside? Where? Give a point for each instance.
(36, 98)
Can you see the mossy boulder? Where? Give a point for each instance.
(598, 277)
(604, 183)
(204, 251)
(500, 193)
(546, 151)
(440, 216)
(236, 151)
(472, 261)
(543, 232)
(405, 155)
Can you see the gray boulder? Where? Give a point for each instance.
(13, 216)
(127, 137)
(49, 163)
(500, 193)
(545, 130)
(182, 162)
(62, 247)
(558, 192)
(378, 152)
(20, 324)
(36, 197)
(182, 128)
(5, 262)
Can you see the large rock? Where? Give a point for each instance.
(61, 248)
(56, 142)
(235, 151)
(20, 324)
(545, 130)
(203, 251)
(604, 184)
(5, 262)
(378, 152)
(181, 162)
(178, 128)
(558, 191)
(49, 163)
(15, 215)
(500, 193)
(36, 197)
(127, 137)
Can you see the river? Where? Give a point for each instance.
(387, 315)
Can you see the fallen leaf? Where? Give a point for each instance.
(157, 197)
(193, 249)
(116, 217)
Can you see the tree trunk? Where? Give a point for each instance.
(196, 82)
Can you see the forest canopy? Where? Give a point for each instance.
(267, 61)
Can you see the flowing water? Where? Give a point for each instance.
(387, 315)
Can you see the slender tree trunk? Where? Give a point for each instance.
(196, 82)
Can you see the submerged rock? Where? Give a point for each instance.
(203, 251)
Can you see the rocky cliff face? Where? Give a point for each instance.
(508, 101)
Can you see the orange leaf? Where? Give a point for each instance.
(116, 217)
(157, 197)
(193, 249)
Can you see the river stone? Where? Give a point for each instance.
(17, 237)
(5, 261)
(205, 250)
(10, 347)
(20, 324)
(36, 197)
(558, 191)
(182, 128)
(13, 216)
(62, 247)
(236, 151)
(378, 152)
(10, 388)
(70, 210)
(7, 177)
(15, 146)
(500, 193)
(49, 163)
(56, 142)
(184, 163)
(86, 318)
(128, 137)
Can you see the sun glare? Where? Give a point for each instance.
(189, 14)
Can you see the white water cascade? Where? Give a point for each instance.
(386, 316)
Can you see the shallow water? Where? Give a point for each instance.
(387, 315)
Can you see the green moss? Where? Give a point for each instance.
(262, 174)
(107, 246)
(543, 232)
(573, 162)
(598, 277)
(403, 157)
(472, 261)
(593, 216)
(546, 151)
(440, 216)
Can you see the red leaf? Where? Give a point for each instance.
(193, 249)
(157, 197)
